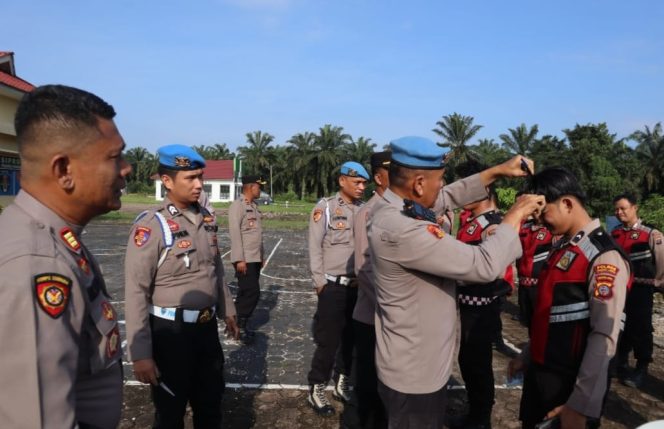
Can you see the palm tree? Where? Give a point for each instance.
(141, 162)
(329, 144)
(520, 139)
(257, 155)
(301, 154)
(490, 152)
(221, 151)
(456, 130)
(360, 150)
(650, 152)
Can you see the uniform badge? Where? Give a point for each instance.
(606, 269)
(541, 235)
(172, 209)
(252, 224)
(635, 235)
(172, 225)
(112, 342)
(436, 231)
(338, 211)
(208, 219)
(107, 311)
(184, 244)
(182, 161)
(566, 260)
(204, 316)
(341, 225)
(83, 265)
(603, 287)
(318, 213)
(471, 229)
(53, 291)
(141, 235)
(70, 239)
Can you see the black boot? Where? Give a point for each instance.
(246, 336)
(637, 377)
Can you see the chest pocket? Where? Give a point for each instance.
(339, 230)
(183, 258)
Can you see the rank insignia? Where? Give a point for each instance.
(204, 316)
(607, 269)
(341, 225)
(184, 244)
(318, 213)
(436, 231)
(84, 265)
(471, 229)
(70, 239)
(635, 235)
(141, 235)
(566, 260)
(208, 219)
(53, 291)
(172, 209)
(338, 211)
(172, 225)
(604, 287)
(541, 235)
(112, 342)
(107, 311)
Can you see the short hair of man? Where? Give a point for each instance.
(52, 111)
(163, 171)
(554, 183)
(399, 175)
(626, 196)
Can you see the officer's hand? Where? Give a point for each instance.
(516, 366)
(569, 418)
(525, 205)
(241, 267)
(514, 167)
(145, 371)
(231, 330)
(319, 289)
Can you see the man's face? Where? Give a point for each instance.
(626, 212)
(556, 217)
(352, 187)
(99, 170)
(186, 187)
(255, 190)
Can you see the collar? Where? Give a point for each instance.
(584, 232)
(636, 225)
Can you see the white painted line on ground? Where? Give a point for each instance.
(271, 386)
(224, 255)
(285, 279)
(512, 346)
(272, 253)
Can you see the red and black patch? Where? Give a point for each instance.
(436, 231)
(107, 311)
(184, 244)
(604, 287)
(141, 235)
(113, 342)
(53, 293)
(541, 235)
(172, 225)
(318, 213)
(606, 269)
(83, 264)
(68, 236)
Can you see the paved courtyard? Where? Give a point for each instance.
(266, 381)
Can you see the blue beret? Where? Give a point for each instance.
(418, 153)
(354, 169)
(180, 157)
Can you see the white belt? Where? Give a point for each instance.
(188, 316)
(342, 280)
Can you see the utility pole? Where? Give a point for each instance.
(271, 195)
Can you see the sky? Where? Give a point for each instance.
(202, 72)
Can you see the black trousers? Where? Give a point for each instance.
(478, 330)
(527, 299)
(637, 334)
(191, 363)
(333, 333)
(413, 411)
(370, 409)
(248, 290)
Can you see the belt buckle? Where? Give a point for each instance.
(204, 316)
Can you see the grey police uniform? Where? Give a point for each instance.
(331, 257)
(61, 365)
(174, 285)
(246, 232)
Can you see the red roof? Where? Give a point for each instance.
(221, 169)
(5, 53)
(15, 82)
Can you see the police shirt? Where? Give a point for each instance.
(246, 230)
(415, 267)
(191, 276)
(58, 327)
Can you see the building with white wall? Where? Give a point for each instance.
(218, 182)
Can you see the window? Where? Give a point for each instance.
(208, 190)
(224, 192)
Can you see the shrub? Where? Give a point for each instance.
(651, 211)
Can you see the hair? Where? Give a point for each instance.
(162, 170)
(57, 115)
(399, 175)
(556, 182)
(626, 196)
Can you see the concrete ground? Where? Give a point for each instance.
(265, 381)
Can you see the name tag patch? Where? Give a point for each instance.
(566, 260)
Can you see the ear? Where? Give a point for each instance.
(418, 185)
(342, 180)
(568, 203)
(167, 181)
(378, 180)
(61, 170)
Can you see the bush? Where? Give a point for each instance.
(506, 198)
(652, 211)
(287, 196)
(140, 188)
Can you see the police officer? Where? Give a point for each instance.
(415, 266)
(479, 311)
(247, 255)
(331, 257)
(580, 298)
(644, 246)
(174, 290)
(61, 363)
(370, 410)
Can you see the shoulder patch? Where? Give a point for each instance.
(208, 219)
(436, 231)
(141, 235)
(53, 292)
(603, 287)
(606, 269)
(317, 215)
(658, 237)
